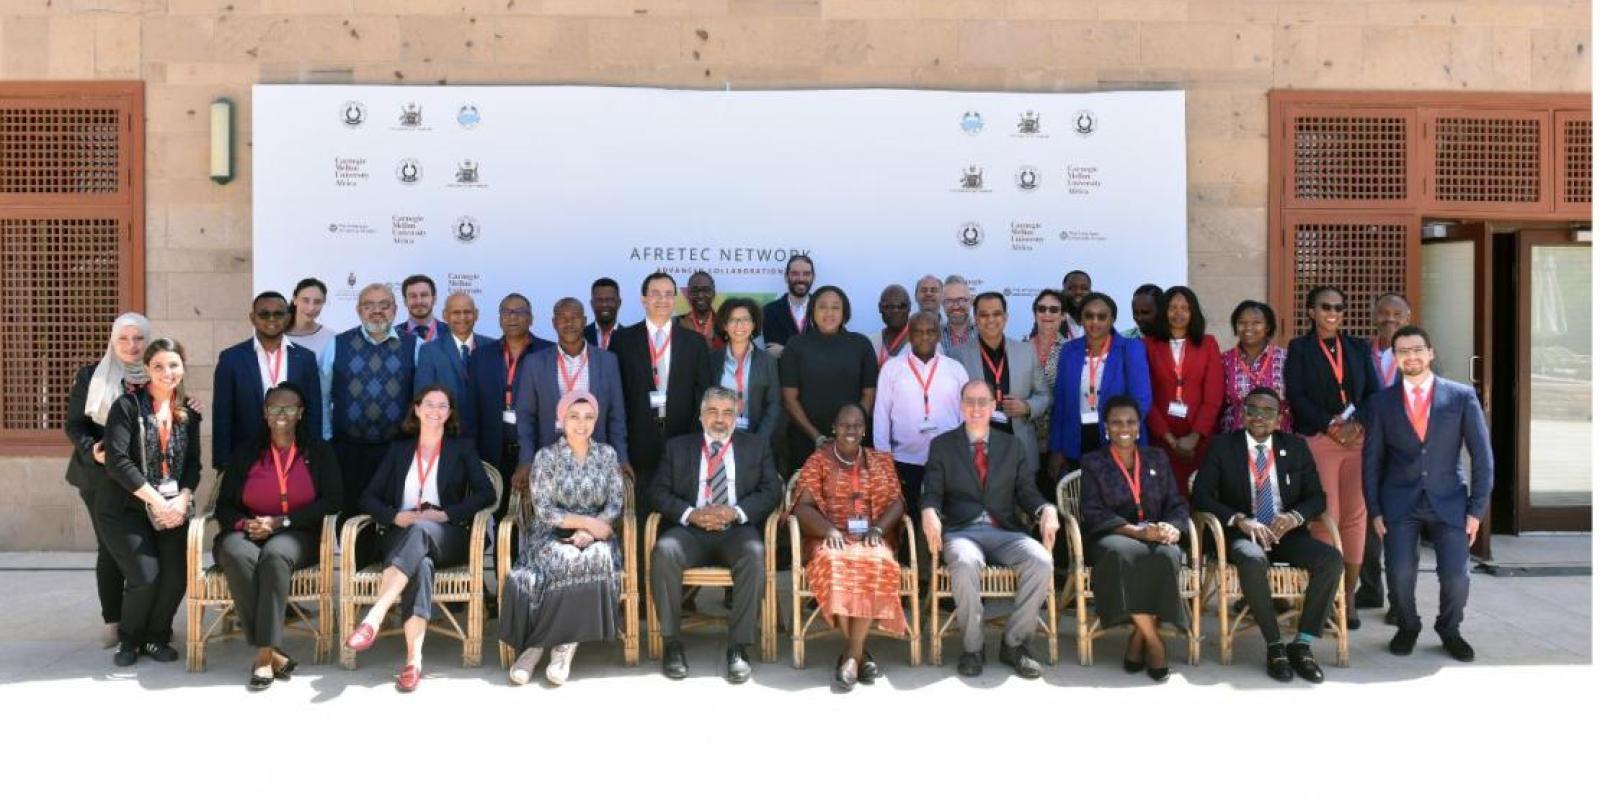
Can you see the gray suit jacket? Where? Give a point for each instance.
(763, 396)
(1025, 372)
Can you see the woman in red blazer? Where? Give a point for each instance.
(1185, 381)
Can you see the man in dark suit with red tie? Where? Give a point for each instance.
(1412, 471)
(713, 508)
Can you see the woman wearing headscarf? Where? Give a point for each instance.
(120, 371)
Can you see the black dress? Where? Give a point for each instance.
(1131, 576)
(830, 370)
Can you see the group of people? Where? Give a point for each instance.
(707, 411)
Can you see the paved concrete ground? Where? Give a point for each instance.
(1533, 636)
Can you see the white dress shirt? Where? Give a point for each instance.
(577, 365)
(1277, 495)
(701, 499)
(265, 363)
(898, 411)
(664, 366)
(430, 490)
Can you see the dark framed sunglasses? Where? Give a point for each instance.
(271, 314)
(1339, 307)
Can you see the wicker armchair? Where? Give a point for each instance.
(1079, 592)
(460, 584)
(509, 528)
(994, 583)
(1286, 583)
(208, 589)
(801, 623)
(717, 576)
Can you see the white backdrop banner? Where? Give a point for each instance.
(540, 190)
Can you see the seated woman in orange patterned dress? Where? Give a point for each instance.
(847, 499)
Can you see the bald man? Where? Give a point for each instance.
(894, 306)
(444, 360)
(929, 290)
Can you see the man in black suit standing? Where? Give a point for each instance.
(976, 480)
(785, 317)
(715, 507)
(1263, 486)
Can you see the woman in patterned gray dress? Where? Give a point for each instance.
(564, 589)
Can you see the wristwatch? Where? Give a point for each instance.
(283, 521)
(821, 437)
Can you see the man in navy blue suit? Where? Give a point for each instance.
(551, 372)
(248, 369)
(785, 317)
(444, 360)
(1411, 464)
(495, 371)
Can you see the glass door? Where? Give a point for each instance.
(1555, 380)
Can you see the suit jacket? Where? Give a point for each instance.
(1398, 468)
(688, 377)
(1224, 486)
(1125, 372)
(539, 390)
(82, 431)
(125, 454)
(440, 361)
(1027, 382)
(1107, 501)
(487, 390)
(591, 332)
(1202, 387)
(237, 395)
(777, 326)
(950, 484)
(325, 477)
(464, 487)
(677, 487)
(763, 394)
(1313, 394)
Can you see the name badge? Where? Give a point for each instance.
(742, 423)
(1178, 410)
(927, 426)
(999, 416)
(1349, 411)
(509, 416)
(1090, 416)
(658, 399)
(858, 526)
(168, 488)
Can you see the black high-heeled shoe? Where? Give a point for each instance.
(1157, 674)
(282, 673)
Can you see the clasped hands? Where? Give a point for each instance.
(170, 512)
(406, 519)
(587, 530)
(1268, 535)
(258, 528)
(714, 518)
(1157, 532)
(1345, 431)
(836, 539)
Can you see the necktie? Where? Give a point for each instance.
(655, 368)
(980, 460)
(1266, 509)
(465, 353)
(1419, 413)
(718, 479)
(421, 331)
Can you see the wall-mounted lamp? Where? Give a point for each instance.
(222, 140)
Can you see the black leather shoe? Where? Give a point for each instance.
(870, 671)
(1019, 659)
(1366, 599)
(1352, 620)
(1403, 643)
(674, 664)
(970, 665)
(126, 655)
(1391, 618)
(1304, 665)
(1157, 674)
(282, 673)
(738, 664)
(1457, 647)
(159, 652)
(1278, 664)
(1129, 666)
(259, 682)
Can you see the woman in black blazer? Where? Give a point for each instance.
(424, 495)
(1329, 379)
(119, 372)
(748, 369)
(152, 448)
(275, 492)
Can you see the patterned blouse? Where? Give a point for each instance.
(831, 486)
(560, 485)
(1238, 378)
(177, 445)
(1052, 357)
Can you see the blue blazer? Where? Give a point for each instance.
(1126, 371)
(488, 389)
(439, 361)
(539, 390)
(1398, 468)
(237, 395)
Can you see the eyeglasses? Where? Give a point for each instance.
(664, 295)
(271, 314)
(515, 312)
(376, 305)
(893, 306)
(1339, 307)
(283, 411)
(1411, 351)
(977, 401)
(1260, 412)
(1096, 316)
(732, 321)
(1047, 309)
(957, 301)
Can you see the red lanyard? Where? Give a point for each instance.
(424, 470)
(713, 461)
(888, 350)
(1135, 480)
(274, 364)
(1177, 366)
(1097, 365)
(1262, 476)
(965, 333)
(512, 362)
(656, 355)
(856, 497)
(927, 402)
(1040, 349)
(994, 369)
(282, 468)
(1377, 361)
(164, 440)
(1336, 361)
(739, 364)
(604, 337)
(570, 382)
(1261, 371)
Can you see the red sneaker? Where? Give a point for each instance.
(409, 678)
(361, 638)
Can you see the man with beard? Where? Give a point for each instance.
(894, 306)
(605, 298)
(1075, 286)
(702, 318)
(958, 332)
(419, 295)
(785, 317)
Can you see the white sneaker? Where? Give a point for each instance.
(560, 663)
(522, 668)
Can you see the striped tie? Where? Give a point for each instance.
(718, 479)
(1266, 509)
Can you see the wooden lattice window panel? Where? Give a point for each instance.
(1350, 158)
(1576, 152)
(1488, 158)
(71, 243)
(1363, 259)
(59, 150)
